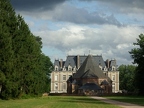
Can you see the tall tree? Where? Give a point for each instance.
(127, 77)
(7, 70)
(22, 67)
(138, 55)
(46, 67)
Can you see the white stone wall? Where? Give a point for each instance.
(114, 76)
(59, 81)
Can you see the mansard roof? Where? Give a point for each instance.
(56, 62)
(89, 69)
(113, 63)
(73, 59)
(77, 61)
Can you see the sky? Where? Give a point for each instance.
(81, 27)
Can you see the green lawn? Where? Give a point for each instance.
(130, 99)
(56, 102)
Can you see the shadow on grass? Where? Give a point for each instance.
(83, 100)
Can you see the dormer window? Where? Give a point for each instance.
(69, 69)
(100, 67)
(74, 68)
(113, 69)
(105, 69)
(56, 68)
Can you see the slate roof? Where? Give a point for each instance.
(113, 63)
(89, 74)
(72, 60)
(90, 86)
(89, 69)
(56, 63)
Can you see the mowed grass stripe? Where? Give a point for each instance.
(56, 102)
(129, 99)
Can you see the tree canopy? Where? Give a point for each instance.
(23, 67)
(138, 55)
(126, 77)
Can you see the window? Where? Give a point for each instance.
(69, 69)
(56, 77)
(113, 69)
(113, 77)
(64, 77)
(56, 86)
(113, 88)
(64, 86)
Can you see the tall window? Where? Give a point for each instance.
(64, 86)
(56, 86)
(56, 77)
(113, 77)
(113, 88)
(64, 77)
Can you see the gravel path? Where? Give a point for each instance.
(121, 104)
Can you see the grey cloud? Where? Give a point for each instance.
(127, 6)
(66, 13)
(34, 5)
(82, 16)
(126, 3)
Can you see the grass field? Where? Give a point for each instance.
(129, 99)
(56, 102)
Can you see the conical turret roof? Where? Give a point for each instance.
(89, 69)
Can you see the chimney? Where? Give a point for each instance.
(108, 63)
(61, 63)
(78, 62)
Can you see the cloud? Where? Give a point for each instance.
(125, 6)
(82, 16)
(103, 12)
(74, 28)
(110, 41)
(69, 13)
(35, 5)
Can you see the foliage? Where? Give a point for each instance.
(23, 67)
(126, 77)
(138, 55)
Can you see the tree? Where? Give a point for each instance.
(23, 67)
(46, 67)
(127, 77)
(7, 70)
(138, 55)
